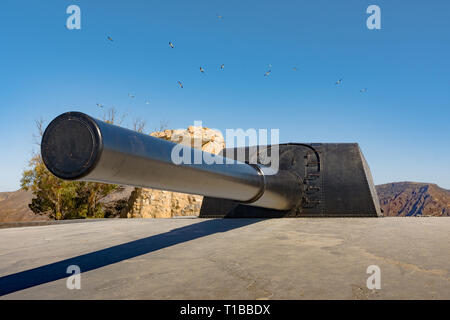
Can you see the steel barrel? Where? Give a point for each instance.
(76, 146)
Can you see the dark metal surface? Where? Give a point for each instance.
(71, 145)
(336, 182)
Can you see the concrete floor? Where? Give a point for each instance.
(189, 258)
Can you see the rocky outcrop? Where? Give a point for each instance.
(149, 203)
(413, 199)
(115, 203)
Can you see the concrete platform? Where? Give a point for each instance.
(188, 258)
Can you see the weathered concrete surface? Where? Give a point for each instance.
(187, 258)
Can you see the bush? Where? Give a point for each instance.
(62, 199)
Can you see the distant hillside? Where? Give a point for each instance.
(5, 195)
(14, 207)
(413, 199)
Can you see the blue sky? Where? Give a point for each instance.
(401, 122)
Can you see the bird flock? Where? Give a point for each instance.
(221, 68)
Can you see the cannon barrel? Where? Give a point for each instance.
(76, 146)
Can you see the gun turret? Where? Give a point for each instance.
(310, 179)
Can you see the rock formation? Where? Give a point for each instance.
(413, 199)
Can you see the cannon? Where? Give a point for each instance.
(310, 180)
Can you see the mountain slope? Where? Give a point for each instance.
(413, 199)
(5, 195)
(14, 207)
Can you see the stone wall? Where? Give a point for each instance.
(149, 203)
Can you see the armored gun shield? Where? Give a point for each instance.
(310, 180)
(335, 179)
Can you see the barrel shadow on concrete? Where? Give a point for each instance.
(94, 260)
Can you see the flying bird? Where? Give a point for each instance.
(338, 82)
(267, 73)
(222, 66)
(130, 95)
(99, 105)
(109, 38)
(171, 44)
(202, 70)
(363, 90)
(219, 16)
(294, 68)
(180, 84)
